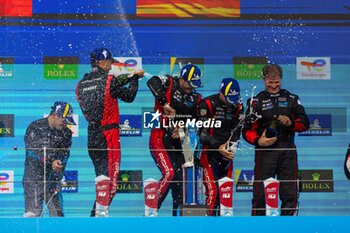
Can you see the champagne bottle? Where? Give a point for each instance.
(123, 79)
(272, 130)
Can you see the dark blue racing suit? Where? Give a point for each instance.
(40, 135)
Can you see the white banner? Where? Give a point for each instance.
(6, 181)
(126, 65)
(314, 68)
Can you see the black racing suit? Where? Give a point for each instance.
(98, 95)
(167, 151)
(214, 165)
(57, 143)
(273, 160)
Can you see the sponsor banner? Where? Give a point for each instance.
(226, 196)
(248, 68)
(245, 181)
(73, 128)
(339, 117)
(316, 181)
(271, 187)
(320, 125)
(70, 182)
(181, 62)
(126, 65)
(130, 181)
(6, 181)
(314, 68)
(150, 187)
(7, 128)
(130, 125)
(188, 8)
(16, 8)
(7, 68)
(61, 68)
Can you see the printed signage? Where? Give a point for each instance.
(130, 181)
(320, 125)
(245, 181)
(314, 68)
(316, 181)
(130, 125)
(126, 65)
(70, 182)
(6, 68)
(6, 182)
(188, 8)
(248, 68)
(7, 128)
(58, 68)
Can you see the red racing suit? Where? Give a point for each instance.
(214, 165)
(167, 151)
(98, 95)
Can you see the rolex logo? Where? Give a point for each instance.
(61, 67)
(125, 177)
(316, 176)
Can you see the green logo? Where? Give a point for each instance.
(61, 68)
(248, 68)
(248, 71)
(130, 181)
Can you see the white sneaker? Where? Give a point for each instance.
(101, 211)
(29, 214)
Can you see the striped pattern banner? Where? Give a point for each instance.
(188, 8)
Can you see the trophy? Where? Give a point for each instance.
(193, 188)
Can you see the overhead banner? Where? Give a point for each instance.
(188, 8)
(16, 8)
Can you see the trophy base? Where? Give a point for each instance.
(194, 210)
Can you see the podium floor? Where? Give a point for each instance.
(177, 224)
